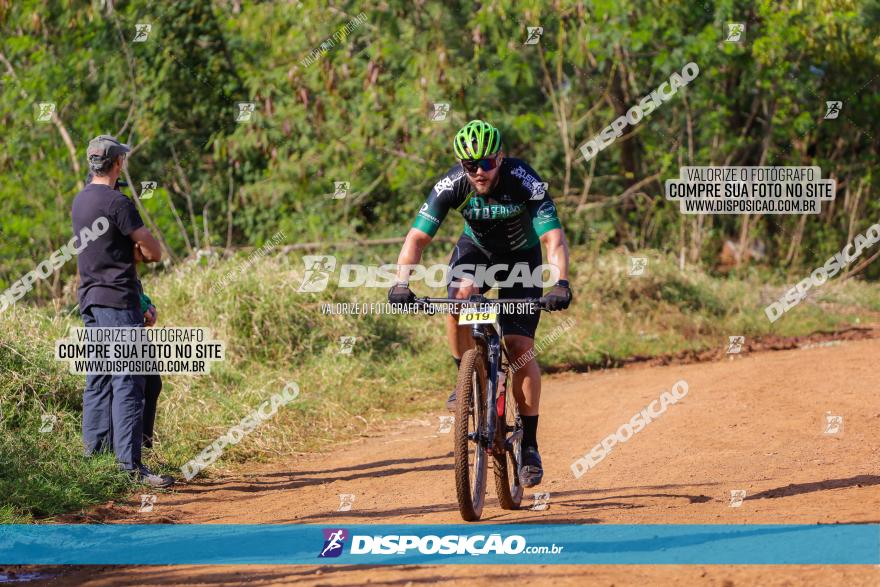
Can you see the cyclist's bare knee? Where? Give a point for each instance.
(520, 348)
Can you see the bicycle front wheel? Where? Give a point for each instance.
(470, 422)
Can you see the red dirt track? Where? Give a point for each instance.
(750, 422)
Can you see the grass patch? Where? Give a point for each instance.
(42, 468)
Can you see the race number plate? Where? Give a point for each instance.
(477, 316)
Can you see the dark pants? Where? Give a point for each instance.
(113, 405)
(151, 400)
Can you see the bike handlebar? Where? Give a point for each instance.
(541, 302)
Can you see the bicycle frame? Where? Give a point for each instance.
(496, 353)
(488, 336)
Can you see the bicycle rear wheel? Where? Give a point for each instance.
(470, 423)
(506, 464)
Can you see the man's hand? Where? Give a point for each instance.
(150, 316)
(138, 255)
(401, 294)
(559, 297)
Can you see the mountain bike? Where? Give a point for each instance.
(487, 422)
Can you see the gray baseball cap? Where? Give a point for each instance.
(104, 147)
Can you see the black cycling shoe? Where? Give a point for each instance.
(531, 472)
(450, 402)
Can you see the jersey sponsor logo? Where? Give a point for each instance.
(528, 180)
(479, 210)
(443, 185)
(547, 212)
(448, 182)
(424, 213)
(520, 172)
(537, 189)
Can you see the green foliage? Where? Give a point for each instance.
(359, 112)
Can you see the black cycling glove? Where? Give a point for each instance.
(559, 297)
(401, 294)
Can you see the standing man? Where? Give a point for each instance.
(109, 296)
(508, 216)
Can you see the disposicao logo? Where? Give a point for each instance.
(334, 541)
(404, 544)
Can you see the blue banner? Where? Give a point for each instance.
(224, 544)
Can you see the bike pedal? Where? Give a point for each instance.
(508, 442)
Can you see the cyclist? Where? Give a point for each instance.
(507, 214)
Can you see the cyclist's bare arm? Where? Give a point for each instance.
(146, 245)
(411, 253)
(557, 250)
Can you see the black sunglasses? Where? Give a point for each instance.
(486, 164)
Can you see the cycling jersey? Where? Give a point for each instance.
(511, 218)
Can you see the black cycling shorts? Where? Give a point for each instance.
(469, 252)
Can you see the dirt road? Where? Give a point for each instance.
(753, 422)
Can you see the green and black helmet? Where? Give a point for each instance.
(476, 140)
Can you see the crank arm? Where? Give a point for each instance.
(508, 443)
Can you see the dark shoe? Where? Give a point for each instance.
(450, 402)
(147, 477)
(531, 472)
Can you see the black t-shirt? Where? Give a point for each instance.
(107, 274)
